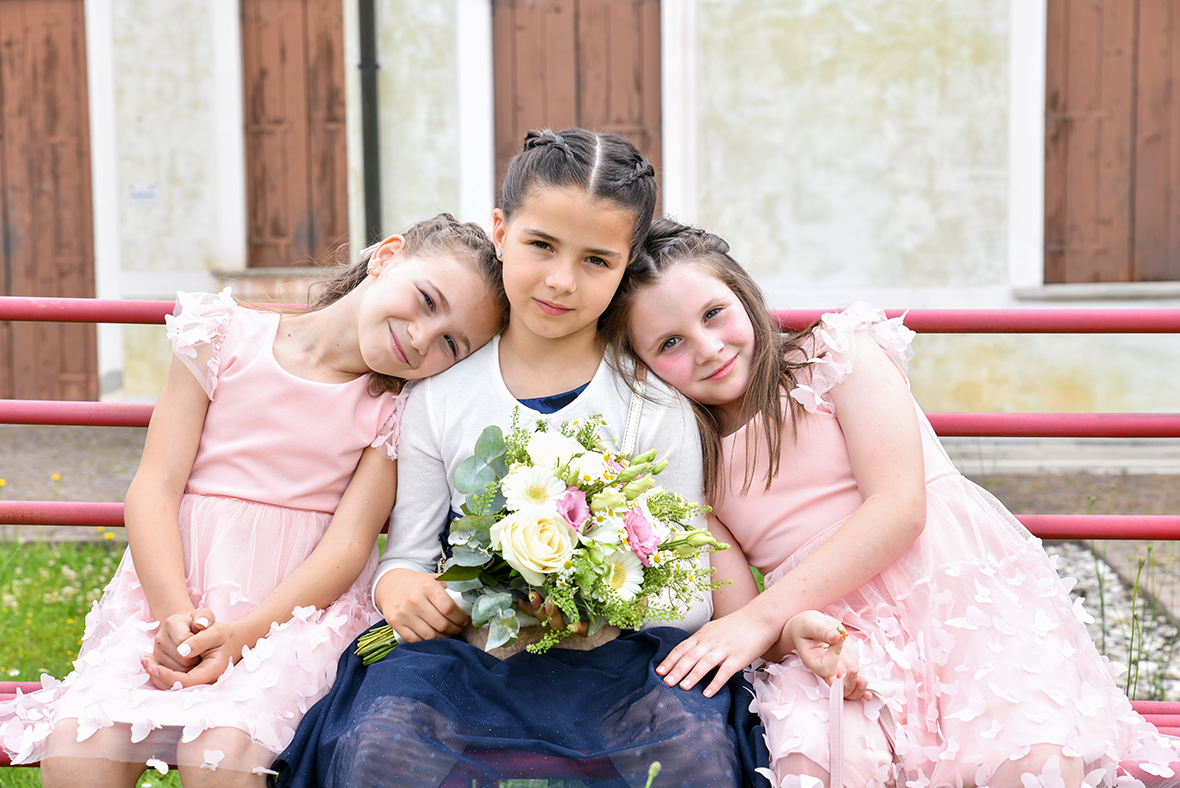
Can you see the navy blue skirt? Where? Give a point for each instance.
(444, 713)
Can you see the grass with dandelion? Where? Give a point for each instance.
(557, 511)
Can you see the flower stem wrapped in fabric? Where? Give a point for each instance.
(559, 513)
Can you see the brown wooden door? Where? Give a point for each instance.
(47, 232)
(589, 63)
(296, 162)
(1112, 141)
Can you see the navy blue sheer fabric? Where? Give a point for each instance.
(444, 713)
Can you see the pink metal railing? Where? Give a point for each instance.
(1166, 716)
(1074, 425)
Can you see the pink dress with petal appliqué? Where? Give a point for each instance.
(275, 456)
(969, 640)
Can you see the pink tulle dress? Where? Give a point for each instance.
(970, 640)
(275, 456)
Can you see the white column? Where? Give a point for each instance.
(678, 45)
(230, 131)
(104, 184)
(1026, 142)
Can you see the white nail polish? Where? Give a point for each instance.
(184, 649)
(203, 621)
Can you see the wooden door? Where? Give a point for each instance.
(47, 229)
(589, 63)
(296, 162)
(1112, 141)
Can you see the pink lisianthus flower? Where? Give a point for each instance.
(573, 508)
(641, 536)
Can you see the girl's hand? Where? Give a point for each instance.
(170, 649)
(544, 611)
(819, 641)
(728, 644)
(417, 606)
(216, 648)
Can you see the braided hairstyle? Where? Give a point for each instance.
(777, 355)
(443, 235)
(604, 165)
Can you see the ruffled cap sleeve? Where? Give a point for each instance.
(390, 436)
(197, 330)
(835, 352)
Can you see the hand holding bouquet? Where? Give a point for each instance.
(560, 513)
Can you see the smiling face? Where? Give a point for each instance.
(422, 313)
(564, 255)
(691, 330)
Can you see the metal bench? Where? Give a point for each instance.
(1165, 715)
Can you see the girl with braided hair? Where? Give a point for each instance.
(574, 212)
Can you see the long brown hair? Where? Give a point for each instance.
(443, 234)
(777, 355)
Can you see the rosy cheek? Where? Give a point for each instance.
(675, 371)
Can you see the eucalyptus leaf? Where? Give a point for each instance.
(467, 556)
(472, 530)
(502, 631)
(487, 466)
(460, 585)
(490, 607)
(490, 442)
(461, 574)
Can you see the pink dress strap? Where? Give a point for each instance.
(835, 352)
(197, 329)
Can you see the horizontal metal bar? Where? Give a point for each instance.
(1016, 321)
(1057, 425)
(60, 513)
(84, 310)
(1099, 526)
(1046, 526)
(78, 414)
(957, 321)
(1046, 425)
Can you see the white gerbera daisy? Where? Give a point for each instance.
(624, 574)
(525, 486)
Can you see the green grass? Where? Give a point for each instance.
(45, 591)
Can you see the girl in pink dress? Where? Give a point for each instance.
(825, 473)
(253, 518)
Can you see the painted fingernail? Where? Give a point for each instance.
(202, 621)
(185, 649)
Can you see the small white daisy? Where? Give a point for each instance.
(624, 574)
(525, 486)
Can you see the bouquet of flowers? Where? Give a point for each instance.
(560, 513)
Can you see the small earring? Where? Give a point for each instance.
(372, 272)
(499, 255)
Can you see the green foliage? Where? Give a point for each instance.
(46, 590)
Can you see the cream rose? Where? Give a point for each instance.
(535, 541)
(550, 449)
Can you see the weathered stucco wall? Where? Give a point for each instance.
(418, 109)
(856, 142)
(163, 55)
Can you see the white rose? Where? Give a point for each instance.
(535, 541)
(550, 449)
